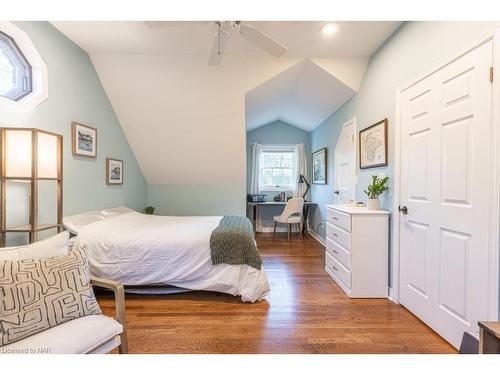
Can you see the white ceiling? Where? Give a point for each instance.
(353, 40)
(174, 108)
(304, 95)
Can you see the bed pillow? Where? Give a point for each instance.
(41, 293)
(53, 246)
(115, 211)
(75, 223)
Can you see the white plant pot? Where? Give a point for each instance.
(373, 204)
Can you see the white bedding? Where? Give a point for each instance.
(138, 249)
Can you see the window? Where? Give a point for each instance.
(23, 73)
(15, 70)
(277, 168)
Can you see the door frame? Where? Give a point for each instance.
(492, 34)
(353, 121)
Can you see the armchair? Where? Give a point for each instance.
(86, 335)
(119, 293)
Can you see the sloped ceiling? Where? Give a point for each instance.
(303, 95)
(343, 55)
(185, 120)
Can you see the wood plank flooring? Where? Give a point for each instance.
(306, 312)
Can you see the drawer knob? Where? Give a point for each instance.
(335, 251)
(335, 218)
(335, 235)
(335, 268)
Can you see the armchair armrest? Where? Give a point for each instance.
(119, 293)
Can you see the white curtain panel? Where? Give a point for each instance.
(300, 169)
(254, 179)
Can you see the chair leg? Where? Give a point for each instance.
(123, 348)
(274, 232)
(289, 229)
(297, 226)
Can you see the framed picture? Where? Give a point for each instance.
(319, 166)
(83, 140)
(114, 171)
(373, 146)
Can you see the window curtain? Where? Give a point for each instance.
(254, 179)
(300, 169)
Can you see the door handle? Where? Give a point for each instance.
(336, 192)
(403, 210)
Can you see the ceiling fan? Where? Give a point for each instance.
(248, 32)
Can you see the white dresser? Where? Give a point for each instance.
(357, 250)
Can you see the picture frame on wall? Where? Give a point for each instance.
(83, 140)
(114, 171)
(373, 146)
(319, 172)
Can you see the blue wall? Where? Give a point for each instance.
(76, 94)
(412, 50)
(196, 200)
(275, 133)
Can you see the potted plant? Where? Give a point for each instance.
(149, 210)
(374, 191)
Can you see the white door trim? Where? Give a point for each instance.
(353, 121)
(494, 248)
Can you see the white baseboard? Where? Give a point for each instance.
(280, 229)
(317, 237)
(314, 235)
(392, 296)
(264, 229)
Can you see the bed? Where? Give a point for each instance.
(141, 250)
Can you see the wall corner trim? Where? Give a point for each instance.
(318, 238)
(393, 296)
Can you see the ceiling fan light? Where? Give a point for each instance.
(329, 28)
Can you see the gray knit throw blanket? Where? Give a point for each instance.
(233, 242)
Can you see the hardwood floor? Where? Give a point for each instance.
(306, 312)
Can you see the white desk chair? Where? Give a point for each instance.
(292, 214)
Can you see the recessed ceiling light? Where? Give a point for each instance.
(329, 28)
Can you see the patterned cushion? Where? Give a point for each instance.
(38, 294)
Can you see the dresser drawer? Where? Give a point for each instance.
(338, 269)
(338, 218)
(339, 253)
(338, 235)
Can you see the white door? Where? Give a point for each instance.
(345, 164)
(445, 185)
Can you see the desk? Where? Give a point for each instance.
(256, 205)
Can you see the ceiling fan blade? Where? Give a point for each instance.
(220, 39)
(262, 40)
(168, 24)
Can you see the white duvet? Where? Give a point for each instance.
(138, 249)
